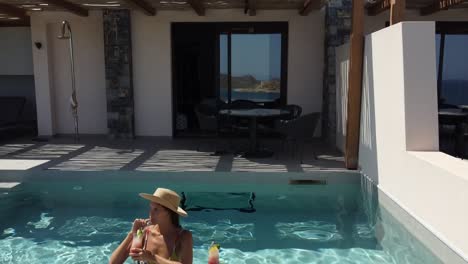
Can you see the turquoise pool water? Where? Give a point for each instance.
(84, 221)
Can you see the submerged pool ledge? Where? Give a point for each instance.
(420, 229)
(326, 177)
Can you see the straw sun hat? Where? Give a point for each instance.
(166, 198)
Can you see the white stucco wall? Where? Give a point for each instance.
(151, 41)
(152, 61)
(15, 51)
(399, 133)
(341, 71)
(372, 24)
(53, 77)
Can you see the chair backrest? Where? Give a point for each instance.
(207, 119)
(243, 104)
(272, 104)
(294, 112)
(303, 127)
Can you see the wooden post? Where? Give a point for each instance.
(397, 11)
(356, 51)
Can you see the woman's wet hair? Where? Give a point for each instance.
(175, 220)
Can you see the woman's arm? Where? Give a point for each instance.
(121, 253)
(186, 253)
(186, 248)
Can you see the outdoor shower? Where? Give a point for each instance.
(66, 33)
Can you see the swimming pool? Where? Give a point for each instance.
(83, 220)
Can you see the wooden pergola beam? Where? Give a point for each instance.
(13, 11)
(142, 5)
(308, 6)
(22, 22)
(69, 6)
(439, 5)
(251, 5)
(397, 11)
(198, 6)
(356, 51)
(378, 7)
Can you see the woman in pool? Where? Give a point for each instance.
(165, 241)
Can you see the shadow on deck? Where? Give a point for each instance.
(160, 154)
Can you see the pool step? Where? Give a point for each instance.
(6, 186)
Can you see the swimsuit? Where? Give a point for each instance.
(174, 256)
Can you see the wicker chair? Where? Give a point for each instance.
(299, 131)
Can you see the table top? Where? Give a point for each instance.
(256, 112)
(452, 112)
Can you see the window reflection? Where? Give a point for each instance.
(255, 67)
(454, 83)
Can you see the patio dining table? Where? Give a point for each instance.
(254, 115)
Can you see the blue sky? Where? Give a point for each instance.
(455, 57)
(255, 54)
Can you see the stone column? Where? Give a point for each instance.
(337, 31)
(119, 79)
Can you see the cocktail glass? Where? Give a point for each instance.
(137, 241)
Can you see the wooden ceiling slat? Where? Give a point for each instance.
(12, 10)
(378, 7)
(439, 5)
(23, 22)
(142, 5)
(69, 6)
(198, 6)
(308, 6)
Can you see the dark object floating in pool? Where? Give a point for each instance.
(307, 182)
(249, 209)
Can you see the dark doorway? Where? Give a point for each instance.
(217, 63)
(194, 57)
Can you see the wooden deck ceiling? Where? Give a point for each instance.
(19, 8)
(18, 11)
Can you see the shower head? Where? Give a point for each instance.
(64, 34)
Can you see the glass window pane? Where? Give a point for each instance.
(455, 71)
(437, 51)
(223, 67)
(256, 67)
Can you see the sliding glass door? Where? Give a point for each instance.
(252, 62)
(452, 63)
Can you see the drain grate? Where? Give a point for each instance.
(307, 182)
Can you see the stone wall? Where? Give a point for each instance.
(337, 32)
(119, 79)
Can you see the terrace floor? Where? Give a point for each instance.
(160, 154)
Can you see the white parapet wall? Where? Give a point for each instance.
(152, 66)
(341, 73)
(399, 146)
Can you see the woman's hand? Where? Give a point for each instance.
(139, 223)
(142, 255)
